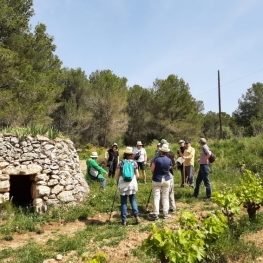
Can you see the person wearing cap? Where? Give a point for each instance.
(180, 153)
(128, 188)
(188, 164)
(203, 173)
(94, 171)
(141, 161)
(111, 159)
(161, 182)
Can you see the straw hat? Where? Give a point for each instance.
(139, 143)
(94, 155)
(128, 150)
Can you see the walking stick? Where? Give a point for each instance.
(113, 200)
(148, 199)
(184, 174)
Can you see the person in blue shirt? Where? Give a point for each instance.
(160, 168)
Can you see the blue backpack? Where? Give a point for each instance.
(127, 170)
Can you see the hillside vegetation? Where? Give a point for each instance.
(99, 107)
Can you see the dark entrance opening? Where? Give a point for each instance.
(20, 190)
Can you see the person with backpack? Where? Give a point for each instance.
(94, 171)
(203, 173)
(127, 176)
(161, 182)
(140, 156)
(112, 159)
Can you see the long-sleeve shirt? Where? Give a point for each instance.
(190, 154)
(92, 163)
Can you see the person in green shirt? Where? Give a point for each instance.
(94, 171)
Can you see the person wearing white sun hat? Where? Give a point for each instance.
(94, 171)
(128, 188)
(161, 182)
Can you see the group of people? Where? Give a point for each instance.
(162, 174)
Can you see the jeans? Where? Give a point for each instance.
(158, 187)
(102, 182)
(132, 199)
(203, 175)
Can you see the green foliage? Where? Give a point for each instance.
(98, 258)
(228, 201)
(189, 242)
(250, 108)
(33, 130)
(249, 193)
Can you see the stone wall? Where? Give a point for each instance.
(53, 167)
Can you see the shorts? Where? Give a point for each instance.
(141, 166)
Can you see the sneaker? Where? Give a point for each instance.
(207, 199)
(124, 223)
(145, 182)
(166, 216)
(138, 220)
(153, 217)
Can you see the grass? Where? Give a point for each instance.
(231, 155)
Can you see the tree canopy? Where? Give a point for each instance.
(100, 108)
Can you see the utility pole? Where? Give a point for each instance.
(219, 103)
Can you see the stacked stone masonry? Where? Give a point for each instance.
(53, 167)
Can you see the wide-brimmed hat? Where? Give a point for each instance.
(202, 140)
(115, 144)
(181, 141)
(165, 148)
(139, 143)
(128, 150)
(163, 141)
(94, 155)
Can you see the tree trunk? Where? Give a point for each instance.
(163, 259)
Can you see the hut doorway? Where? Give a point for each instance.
(20, 190)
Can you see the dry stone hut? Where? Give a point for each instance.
(40, 171)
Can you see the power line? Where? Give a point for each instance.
(230, 82)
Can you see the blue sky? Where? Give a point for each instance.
(148, 39)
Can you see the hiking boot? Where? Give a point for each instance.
(166, 216)
(153, 217)
(138, 220)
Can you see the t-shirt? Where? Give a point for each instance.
(142, 157)
(128, 188)
(204, 153)
(162, 166)
(113, 155)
